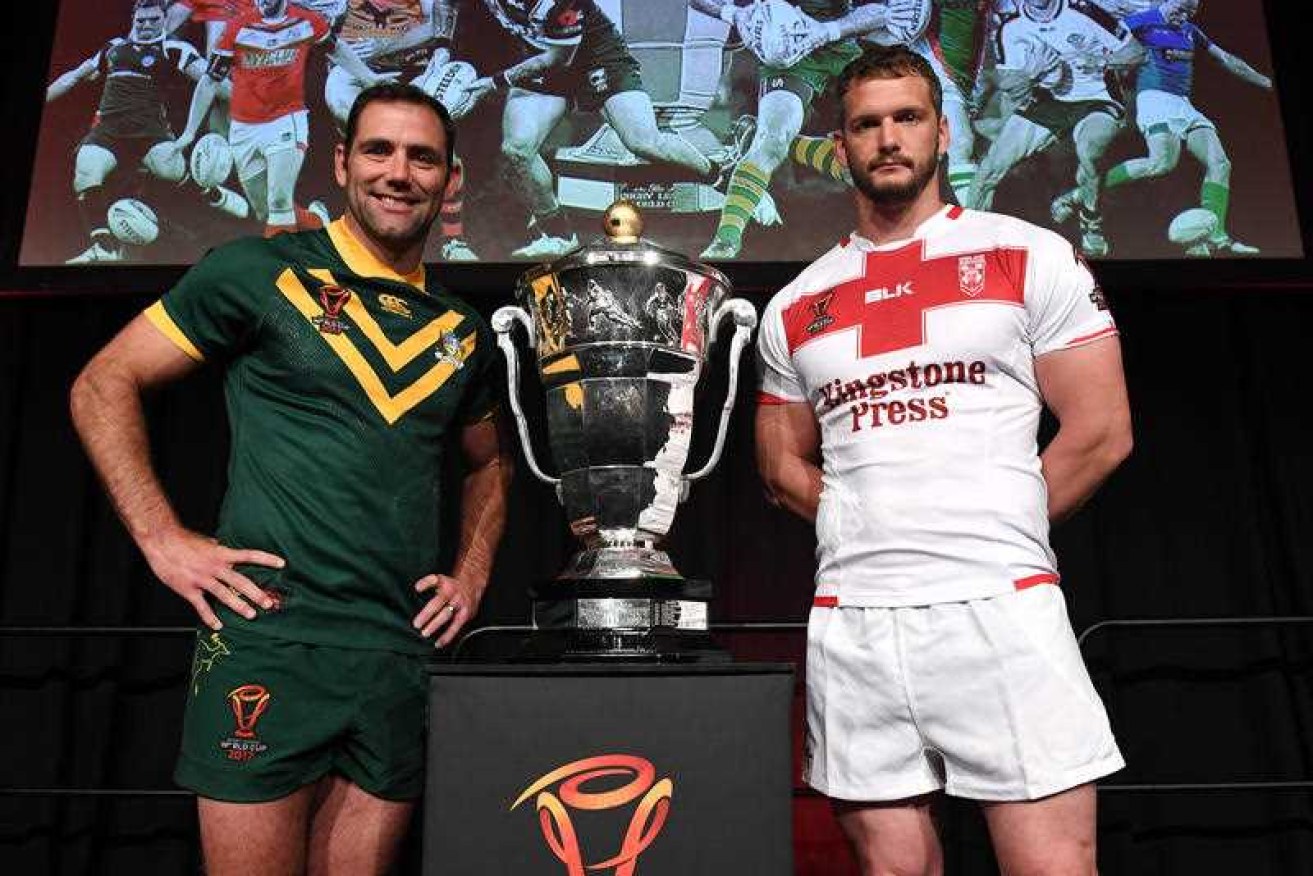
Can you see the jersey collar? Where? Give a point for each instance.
(944, 215)
(363, 262)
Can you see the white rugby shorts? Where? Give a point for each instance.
(986, 699)
(252, 141)
(1161, 109)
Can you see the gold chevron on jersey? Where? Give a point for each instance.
(395, 355)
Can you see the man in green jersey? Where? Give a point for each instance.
(350, 374)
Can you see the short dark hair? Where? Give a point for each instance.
(888, 62)
(400, 92)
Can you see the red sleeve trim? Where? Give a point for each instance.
(825, 602)
(1036, 580)
(1103, 332)
(766, 398)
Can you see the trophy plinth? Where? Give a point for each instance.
(621, 329)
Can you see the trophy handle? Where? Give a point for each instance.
(503, 323)
(745, 320)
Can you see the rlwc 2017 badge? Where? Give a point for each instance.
(332, 299)
(819, 309)
(450, 351)
(248, 703)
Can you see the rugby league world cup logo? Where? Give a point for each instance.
(560, 791)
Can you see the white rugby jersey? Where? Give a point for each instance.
(1082, 43)
(918, 360)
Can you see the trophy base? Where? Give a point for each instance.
(604, 620)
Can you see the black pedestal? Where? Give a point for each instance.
(685, 769)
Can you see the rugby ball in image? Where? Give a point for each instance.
(132, 222)
(211, 161)
(1192, 226)
(446, 84)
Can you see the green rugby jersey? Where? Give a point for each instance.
(346, 385)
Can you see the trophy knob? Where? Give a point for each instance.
(622, 222)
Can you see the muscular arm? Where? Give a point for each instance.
(106, 406)
(788, 457)
(64, 83)
(1237, 67)
(351, 62)
(489, 469)
(1085, 389)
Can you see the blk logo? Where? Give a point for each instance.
(899, 290)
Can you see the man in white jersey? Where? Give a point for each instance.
(903, 377)
(1053, 59)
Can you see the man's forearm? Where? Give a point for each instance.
(107, 413)
(483, 517)
(794, 484)
(1074, 465)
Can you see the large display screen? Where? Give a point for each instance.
(1138, 130)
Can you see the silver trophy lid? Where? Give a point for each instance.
(623, 244)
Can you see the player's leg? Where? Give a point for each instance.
(340, 91)
(454, 246)
(1055, 835)
(238, 839)
(527, 120)
(353, 831)
(780, 113)
(820, 154)
(1205, 145)
(250, 165)
(1017, 140)
(961, 145)
(892, 838)
(1092, 135)
(630, 113)
(165, 162)
(92, 165)
(1001, 691)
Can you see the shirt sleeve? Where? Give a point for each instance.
(1064, 305)
(778, 378)
(1201, 40)
(216, 307)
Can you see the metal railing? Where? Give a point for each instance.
(493, 631)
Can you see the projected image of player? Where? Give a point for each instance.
(575, 57)
(952, 43)
(213, 16)
(802, 46)
(266, 50)
(404, 39)
(131, 126)
(1053, 59)
(1167, 119)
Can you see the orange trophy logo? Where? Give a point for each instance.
(554, 808)
(248, 702)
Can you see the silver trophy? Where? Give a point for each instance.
(621, 329)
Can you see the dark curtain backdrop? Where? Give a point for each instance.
(1210, 517)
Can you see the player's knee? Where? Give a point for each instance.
(1070, 857)
(86, 179)
(1219, 165)
(770, 148)
(517, 152)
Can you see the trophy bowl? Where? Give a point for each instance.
(621, 329)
